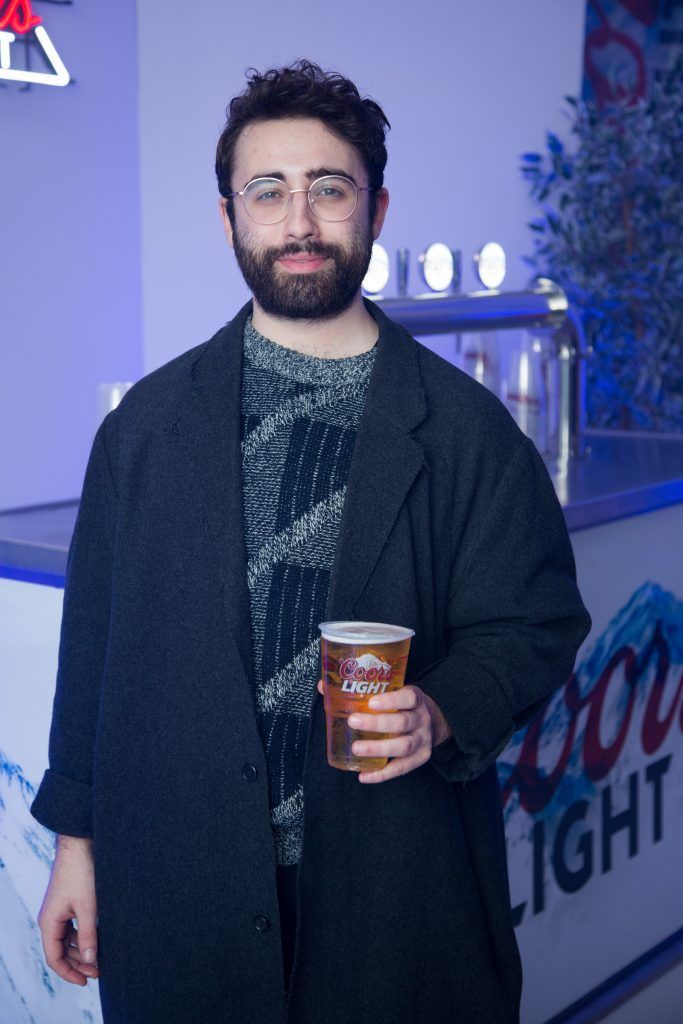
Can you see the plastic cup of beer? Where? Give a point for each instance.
(359, 660)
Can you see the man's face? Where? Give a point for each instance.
(302, 267)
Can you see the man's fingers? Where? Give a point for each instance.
(56, 936)
(55, 933)
(406, 697)
(68, 915)
(399, 746)
(61, 945)
(73, 960)
(396, 722)
(63, 969)
(399, 766)
(87, 932)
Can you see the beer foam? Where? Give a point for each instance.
(352, 632)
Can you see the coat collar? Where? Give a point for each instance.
(386, 459)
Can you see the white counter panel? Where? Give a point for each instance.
(627, 897)
(29, 636)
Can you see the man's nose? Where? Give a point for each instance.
(301, 222)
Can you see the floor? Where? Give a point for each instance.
(660, 1003)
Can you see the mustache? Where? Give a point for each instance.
(310, 249)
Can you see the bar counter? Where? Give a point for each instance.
(623, 475)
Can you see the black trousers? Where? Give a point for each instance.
(286, 891)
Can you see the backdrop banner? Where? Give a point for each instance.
(628, 44)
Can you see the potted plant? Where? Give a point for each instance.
(610, 232)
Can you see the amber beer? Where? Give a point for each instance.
(359, 661)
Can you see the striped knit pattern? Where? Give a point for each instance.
(300, 415)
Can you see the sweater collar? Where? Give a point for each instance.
(395, 392)
(307, 369)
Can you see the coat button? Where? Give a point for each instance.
(262, 923)
(250, 773)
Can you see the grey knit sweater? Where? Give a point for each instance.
(299, 420)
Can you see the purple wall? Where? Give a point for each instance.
(467, 87)
(112, 258)
(69, 250)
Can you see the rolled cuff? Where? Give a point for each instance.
(477, 712)
(63, 805)
(446, 761)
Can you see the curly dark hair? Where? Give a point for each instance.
(304, 90)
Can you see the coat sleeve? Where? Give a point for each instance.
(63, 802)
(515, 620)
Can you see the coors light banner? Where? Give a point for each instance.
(593, 787)
(27, 53)
(628, 44)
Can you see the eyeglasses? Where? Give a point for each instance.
(333, 197)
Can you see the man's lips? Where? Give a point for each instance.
(302, 262)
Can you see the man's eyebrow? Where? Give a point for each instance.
(311, 175)
(321, 172)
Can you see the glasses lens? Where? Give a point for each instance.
(266, 200)
(333, 198)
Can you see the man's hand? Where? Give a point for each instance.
(71, 952)
(417, 725)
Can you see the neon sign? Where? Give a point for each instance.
(17, 23)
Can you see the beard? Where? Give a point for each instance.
(317, 295)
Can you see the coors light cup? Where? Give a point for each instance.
(359, 660)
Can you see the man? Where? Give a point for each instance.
(311, 461)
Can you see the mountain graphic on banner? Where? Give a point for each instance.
(649, 608)
(17, 21)
(29, 992)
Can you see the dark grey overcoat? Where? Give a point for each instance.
(450, 526)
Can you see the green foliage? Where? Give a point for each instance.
(611, 234)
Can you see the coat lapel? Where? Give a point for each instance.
(386, 459)
(385, 462)
(209, 427)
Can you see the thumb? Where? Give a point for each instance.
(87, 933)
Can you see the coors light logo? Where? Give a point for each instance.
(22, 34)
(366, 674)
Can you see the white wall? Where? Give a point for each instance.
(69, 249)
(467, 85)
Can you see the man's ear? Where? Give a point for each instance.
(381, 205)
(227, 226)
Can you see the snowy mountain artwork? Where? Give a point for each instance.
(30, 993)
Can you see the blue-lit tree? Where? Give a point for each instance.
(610, 232)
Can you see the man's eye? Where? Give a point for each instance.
(269, 196)
(332, 189)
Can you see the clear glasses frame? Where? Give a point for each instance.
(309, 190)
